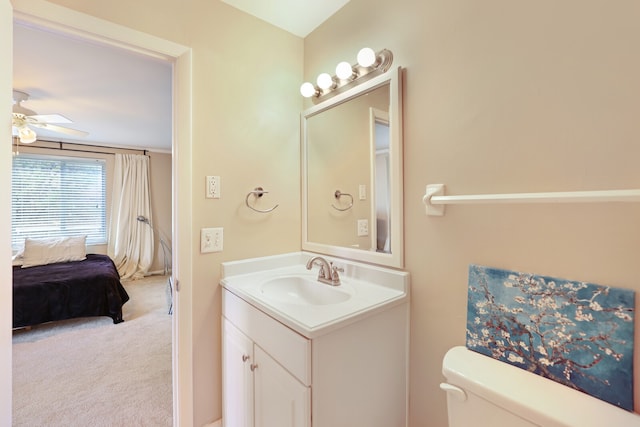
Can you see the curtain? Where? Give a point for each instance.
(130, 240)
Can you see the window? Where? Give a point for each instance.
(58, 197)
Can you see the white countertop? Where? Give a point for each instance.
(372, 289)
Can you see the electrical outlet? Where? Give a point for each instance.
(213, 187)
(363, 227)
(211, 240)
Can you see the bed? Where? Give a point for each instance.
(66, 290)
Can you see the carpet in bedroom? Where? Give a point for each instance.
(90, 372)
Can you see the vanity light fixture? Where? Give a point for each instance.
(369, 63)
(308, 90)
(325, 81)
(344, 71)
(366, 57)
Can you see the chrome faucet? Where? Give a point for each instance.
(328, 272)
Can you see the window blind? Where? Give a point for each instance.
(58, 197)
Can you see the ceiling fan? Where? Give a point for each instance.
(23, 119)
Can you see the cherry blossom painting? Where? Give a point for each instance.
(578, 334)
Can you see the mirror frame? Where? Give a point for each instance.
(393, 78)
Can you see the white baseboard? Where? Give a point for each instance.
(214, 424)
(161, 273)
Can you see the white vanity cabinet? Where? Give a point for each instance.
(350, 374)
(261, 359)
(237, 376)
(258, 390)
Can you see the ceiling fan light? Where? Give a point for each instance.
(27, 135)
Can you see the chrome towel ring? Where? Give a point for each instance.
(338, 194)
(258, 192)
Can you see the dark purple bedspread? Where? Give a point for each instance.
(67, 290)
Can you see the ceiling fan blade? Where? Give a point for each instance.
(50, 118)
(59, 129)
(19, 109)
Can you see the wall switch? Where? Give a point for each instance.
(363, 192)
(363, 227)
(211, 240)
(213, 187)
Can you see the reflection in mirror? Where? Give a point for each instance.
(379, 120)
(352, 173)
(339, 147)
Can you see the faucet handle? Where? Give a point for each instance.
(320, 264)
(335, 277)
(324, 272)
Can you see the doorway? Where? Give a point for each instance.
(85, 26)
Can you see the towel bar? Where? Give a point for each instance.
(435, 200)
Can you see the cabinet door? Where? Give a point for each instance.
(280, 399)
(237, 378)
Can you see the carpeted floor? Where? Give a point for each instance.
(90, 372)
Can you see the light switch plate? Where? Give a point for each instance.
(211, 240)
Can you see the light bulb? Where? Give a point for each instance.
(324, 81)
(366, 57)
(26, 135)
(307, 90)
(344, 70)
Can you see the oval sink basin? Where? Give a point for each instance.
(303, 291)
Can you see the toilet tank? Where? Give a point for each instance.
(484, 392)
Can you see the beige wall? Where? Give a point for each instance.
(246, 107)
(499, 97)
(160, 183)
(503, 97)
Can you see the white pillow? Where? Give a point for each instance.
(48, 251)
(17, 258)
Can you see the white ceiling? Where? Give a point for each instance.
(299, 17)
(122, 98)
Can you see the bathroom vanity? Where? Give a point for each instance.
(300, 353)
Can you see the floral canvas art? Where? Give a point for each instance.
(578, 334)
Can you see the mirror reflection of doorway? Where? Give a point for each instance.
(380, 170)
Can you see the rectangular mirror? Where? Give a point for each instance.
(352, 173)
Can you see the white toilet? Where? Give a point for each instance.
(484, 392)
